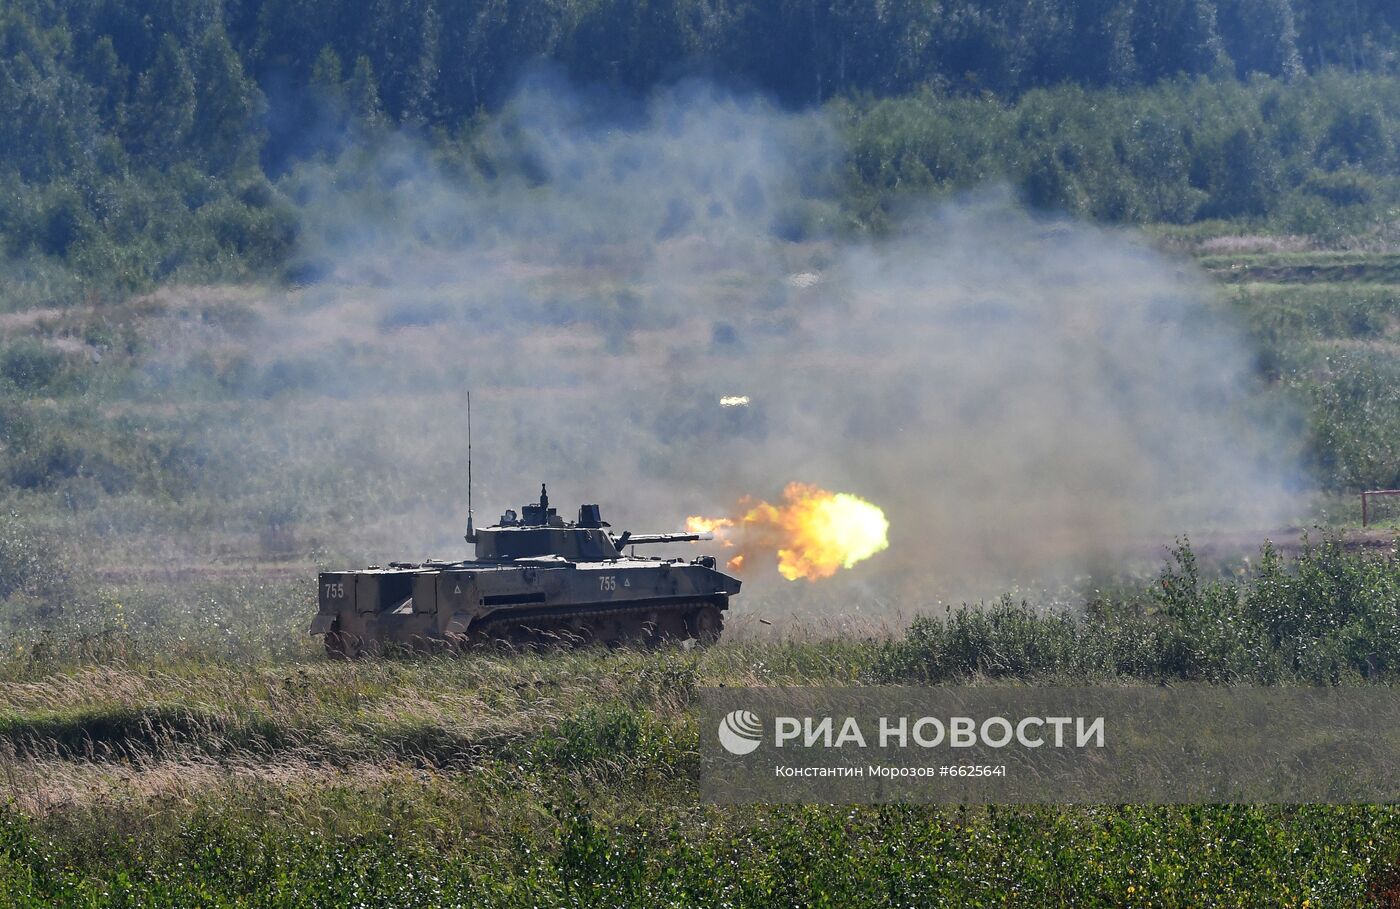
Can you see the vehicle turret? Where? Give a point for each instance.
(539, 532)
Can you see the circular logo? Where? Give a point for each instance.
(740, 732)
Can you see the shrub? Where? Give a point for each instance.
(30, 363)
(1327, 615)
(31, 565)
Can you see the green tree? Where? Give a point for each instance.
(227, 107)
(363, 92)
(163, 113)
(1240, 172)
(403, 43)
(1104, 53)
(1171, 37)
(103, 70)
(289, 30)
(45, 106)
(327, 73)
(1261, 37)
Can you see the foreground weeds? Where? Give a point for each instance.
(412, 844)
(568, 779)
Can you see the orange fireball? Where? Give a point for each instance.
(697, 524)
(812, 532)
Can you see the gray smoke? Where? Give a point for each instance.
(1019, 393)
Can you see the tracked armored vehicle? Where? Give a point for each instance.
(537, 580)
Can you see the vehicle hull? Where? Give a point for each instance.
(536, 603)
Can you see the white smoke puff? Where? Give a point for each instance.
(1034, 391)
(1017, 393)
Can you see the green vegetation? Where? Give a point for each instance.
(1314, 156)
(146, 773)
(1327, 619)
(157, 141)
(169, 735)
(1332, 345)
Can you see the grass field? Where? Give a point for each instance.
(170, 737)
(154, 771)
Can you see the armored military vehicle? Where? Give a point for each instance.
(537, 580)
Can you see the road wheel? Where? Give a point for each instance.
(705, 625)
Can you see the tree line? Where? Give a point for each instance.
(1317, 156)
(146, 138)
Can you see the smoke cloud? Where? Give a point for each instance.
(1018, 393)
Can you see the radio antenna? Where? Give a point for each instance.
(471, 526)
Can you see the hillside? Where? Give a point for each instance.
(162, 143)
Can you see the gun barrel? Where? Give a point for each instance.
(667, 537)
